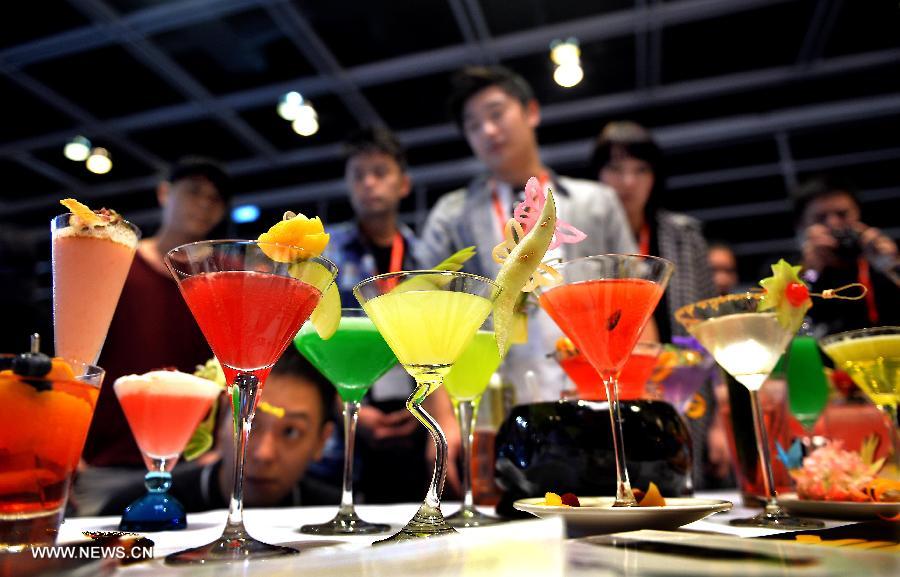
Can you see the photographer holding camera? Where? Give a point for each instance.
(838, 249)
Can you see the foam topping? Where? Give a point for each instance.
(173, 383)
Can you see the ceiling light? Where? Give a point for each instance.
(99, 161)
(289, 105)
(568, 75)
(307, 121)
(563, 52)
(77, 149)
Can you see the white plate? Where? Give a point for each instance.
(597, 515)
(837, 509)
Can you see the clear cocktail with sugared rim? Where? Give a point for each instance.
(746, 340)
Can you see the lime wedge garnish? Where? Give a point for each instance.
(327, 315)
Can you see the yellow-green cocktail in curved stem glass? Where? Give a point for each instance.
(428, 318)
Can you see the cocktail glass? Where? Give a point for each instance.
(807, 385)
(428, 319)
(162, 408)
(352, 359)
(682, 372)
(466, 383)
(872, 359)
(249, 307)
(603, 305)
(89, 266)
(45, 422)
(747, 344)
(632, 379)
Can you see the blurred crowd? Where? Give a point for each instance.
(295, 458)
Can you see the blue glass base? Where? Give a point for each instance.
(154, 512)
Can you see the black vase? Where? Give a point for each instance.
(566, 447)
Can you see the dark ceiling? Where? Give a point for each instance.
(745, 96)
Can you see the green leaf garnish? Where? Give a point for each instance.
(424, 282)
(790, 316)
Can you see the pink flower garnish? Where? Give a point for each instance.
(528, 211)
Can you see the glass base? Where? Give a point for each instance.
(154, 512)
(225, 549)
(774, 517)
(427, 522)
(345, 524)
(471, 517)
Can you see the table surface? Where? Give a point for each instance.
(532, 547)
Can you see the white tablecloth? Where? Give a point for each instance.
(531, 547)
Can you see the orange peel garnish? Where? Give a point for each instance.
(653, 498)
(84, 214)
(294, 238)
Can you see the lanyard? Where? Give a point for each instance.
(865, 278)
(397, 249)
(501, 214)
(644, 240)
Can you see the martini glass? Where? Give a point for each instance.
(466, 384)
(163, 408)
(872, 358)
(603, 305)
(249, 307)
(428, 319)
(352, 359)
(632, 379)
(807, 385)
(747, 344)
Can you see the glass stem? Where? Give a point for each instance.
(762, 447)
(351, 415)
(890, 412)
(157, 479)
(243, 402)
(466, 413)
(624, 494)
(426, 384)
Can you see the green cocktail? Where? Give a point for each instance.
(352, 359)
(466, 383)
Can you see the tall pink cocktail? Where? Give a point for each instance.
(89, 266)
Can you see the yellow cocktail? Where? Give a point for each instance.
(428, 318)
(465, 384)
(872, 359)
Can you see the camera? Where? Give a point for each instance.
(848, 245)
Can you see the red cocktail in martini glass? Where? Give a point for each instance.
(249, 306)
(603, 305)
